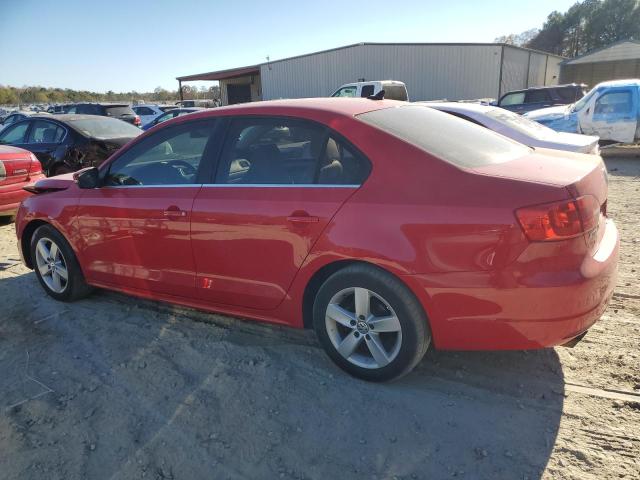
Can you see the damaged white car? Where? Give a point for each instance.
(611, 110)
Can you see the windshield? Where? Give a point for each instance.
(579, 105)
(520, 123)
(448, 137)
(105, 127)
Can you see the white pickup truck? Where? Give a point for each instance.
(393, 90)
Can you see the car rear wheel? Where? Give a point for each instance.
(370, 323)
(56, 265)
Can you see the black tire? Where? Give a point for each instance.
(75, 286)
(415, 333)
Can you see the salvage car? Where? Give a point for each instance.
(18, 168)
(610, 110)
(519, 128)
(387, 227)
(65, 143)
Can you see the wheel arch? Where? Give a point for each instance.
(328, 269)
(25, 239)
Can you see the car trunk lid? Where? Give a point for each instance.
(580, 174)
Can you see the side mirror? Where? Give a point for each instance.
(88, 178)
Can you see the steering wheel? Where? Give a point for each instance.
(185, 168)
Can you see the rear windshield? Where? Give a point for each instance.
(395, 92)
(445, 136)
(520, 124)
(103, 128)
(119, 111)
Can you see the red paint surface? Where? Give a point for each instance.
(450, 234)
(21, 168)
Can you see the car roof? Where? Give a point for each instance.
(631, 82)
(339, 106)
(460, 107)
(548, 87)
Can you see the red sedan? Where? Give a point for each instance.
(18, 168)
(383, 225)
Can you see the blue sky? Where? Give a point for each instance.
(140, 44)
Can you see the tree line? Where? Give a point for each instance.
(34, 94)
(587, 25)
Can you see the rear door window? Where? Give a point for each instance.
(284, 151)
(45, 132)
(512, 99)
(271, 151)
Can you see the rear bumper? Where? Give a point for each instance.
(501, 311)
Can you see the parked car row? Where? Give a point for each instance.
(388, 227)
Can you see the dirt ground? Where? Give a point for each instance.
(116, 388)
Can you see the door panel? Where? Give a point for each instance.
(613, 115)
(250, 241)
(135, 230)
(138, 237)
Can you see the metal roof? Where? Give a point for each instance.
(222, 74)
(615, 51)
(255, 69)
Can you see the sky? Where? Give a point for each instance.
(141, 44)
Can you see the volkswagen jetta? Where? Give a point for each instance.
(385, 226)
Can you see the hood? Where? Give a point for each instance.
(548, 113)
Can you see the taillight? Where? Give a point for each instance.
(35, 167)
(559, 220)
(136, 121)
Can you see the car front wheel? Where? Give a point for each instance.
(370, 323)
(56, 265)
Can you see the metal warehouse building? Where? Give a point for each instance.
(617, 61)
(453, 71)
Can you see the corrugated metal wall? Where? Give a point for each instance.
(430, 71)
(594, 73)
(454, 72)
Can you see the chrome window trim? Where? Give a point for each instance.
(243, 185)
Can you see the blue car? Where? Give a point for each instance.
(611, 111)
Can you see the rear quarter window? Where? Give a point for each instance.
(456, 141)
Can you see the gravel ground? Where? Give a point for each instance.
(114, 387)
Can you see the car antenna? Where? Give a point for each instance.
(377, 96)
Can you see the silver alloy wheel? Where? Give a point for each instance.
(52, 265)
(363, 327)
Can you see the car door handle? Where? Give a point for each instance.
(302, 217)
(174, 212)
